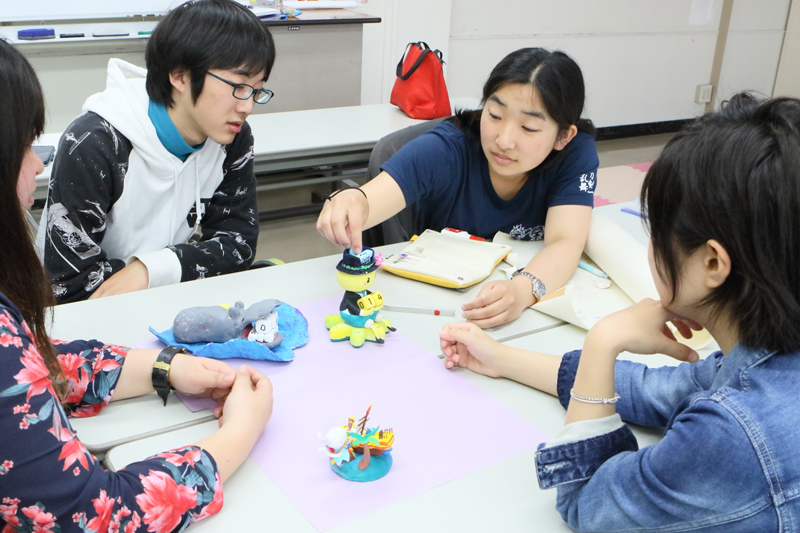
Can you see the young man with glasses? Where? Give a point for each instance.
(153, 184)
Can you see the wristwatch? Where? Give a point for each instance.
(161, 367)
(537, 286)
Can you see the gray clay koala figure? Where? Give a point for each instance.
(214, 323)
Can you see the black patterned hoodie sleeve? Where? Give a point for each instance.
(86, 180)
(230, 222)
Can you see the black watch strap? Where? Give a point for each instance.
(160, 373)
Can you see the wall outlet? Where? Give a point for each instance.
(703, 94)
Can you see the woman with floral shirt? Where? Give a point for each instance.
(48, 480)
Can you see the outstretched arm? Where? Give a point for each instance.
(466, 345)
(39, 450)
(649, 395)
(500, 302)
(350, 212)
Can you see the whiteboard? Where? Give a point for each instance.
(40, 10)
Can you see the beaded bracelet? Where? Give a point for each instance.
(330, 196)
(584, 399)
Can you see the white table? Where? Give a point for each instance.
(503, 497)
(298, 139)
(124, 319)
(303, 138)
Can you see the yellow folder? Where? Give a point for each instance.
(446, 260)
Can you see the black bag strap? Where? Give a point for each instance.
(425, 51)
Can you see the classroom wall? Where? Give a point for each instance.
(787, 82)
(753, 48)
(67, 79)
(317, 66)
(642, 59)
(403, 21)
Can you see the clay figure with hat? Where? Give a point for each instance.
(359, 317)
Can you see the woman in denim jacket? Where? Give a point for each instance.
(723, 201)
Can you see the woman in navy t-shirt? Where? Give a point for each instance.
(525, 163)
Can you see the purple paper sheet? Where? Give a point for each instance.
(445, 427)
(150, 343)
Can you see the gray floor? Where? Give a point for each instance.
(296, 238)
(291, 239)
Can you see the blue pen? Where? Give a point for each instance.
(589, 268)
(631, 211)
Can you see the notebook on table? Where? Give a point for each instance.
(446, 260)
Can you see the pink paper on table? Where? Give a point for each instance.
(644, 167)
(599, 201)
(445, 427)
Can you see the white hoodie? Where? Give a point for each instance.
(159, 189)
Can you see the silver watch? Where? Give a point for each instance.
(537, 286)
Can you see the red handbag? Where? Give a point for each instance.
(420, 90)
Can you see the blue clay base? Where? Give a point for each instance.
(379, 466)
(291, 323)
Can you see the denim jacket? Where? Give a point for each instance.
(729, 460)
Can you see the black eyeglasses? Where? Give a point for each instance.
(242, 91)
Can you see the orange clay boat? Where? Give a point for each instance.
(385, 436)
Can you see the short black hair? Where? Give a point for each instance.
(206, 34)
(734, 176)
(554, 75)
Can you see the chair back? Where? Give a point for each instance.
(400, 227)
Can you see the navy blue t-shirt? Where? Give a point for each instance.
(445, 173)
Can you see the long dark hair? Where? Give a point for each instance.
(733, 176)
(22, 278)
(556, 78)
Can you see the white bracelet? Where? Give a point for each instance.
(584, 399)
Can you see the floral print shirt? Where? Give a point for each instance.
(50, 482)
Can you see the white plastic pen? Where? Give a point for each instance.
(420, 310)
